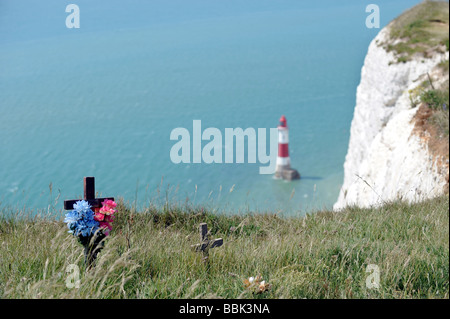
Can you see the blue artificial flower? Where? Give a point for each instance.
(72, 217)
(82, 206)
(80, 220)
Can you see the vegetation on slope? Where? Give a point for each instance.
(322, 255)
(422, 32)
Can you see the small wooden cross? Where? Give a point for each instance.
(89, 195)
(206, 243)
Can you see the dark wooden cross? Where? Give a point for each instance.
(89, 195)
(206, 243)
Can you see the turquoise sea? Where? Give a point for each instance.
(102, 100)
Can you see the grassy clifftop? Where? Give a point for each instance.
(420, 31)
(322, 255)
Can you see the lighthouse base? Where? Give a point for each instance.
(287, 174)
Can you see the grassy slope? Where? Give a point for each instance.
(323, 255)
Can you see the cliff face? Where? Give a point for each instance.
(385, 159)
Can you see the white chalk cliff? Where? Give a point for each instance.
(385, 159)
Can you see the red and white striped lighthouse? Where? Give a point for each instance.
(283, 168)
(283, 160)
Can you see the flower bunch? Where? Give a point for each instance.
(105, 215)
(80, 220)
(256, 285)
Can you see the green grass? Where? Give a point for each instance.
(435, 99)
(444, 66)
(322, 255)
(438, 101)
(440, 120)
(420, 30)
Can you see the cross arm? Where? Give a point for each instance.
(217, 243)
(203, 246)
(96, 202)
